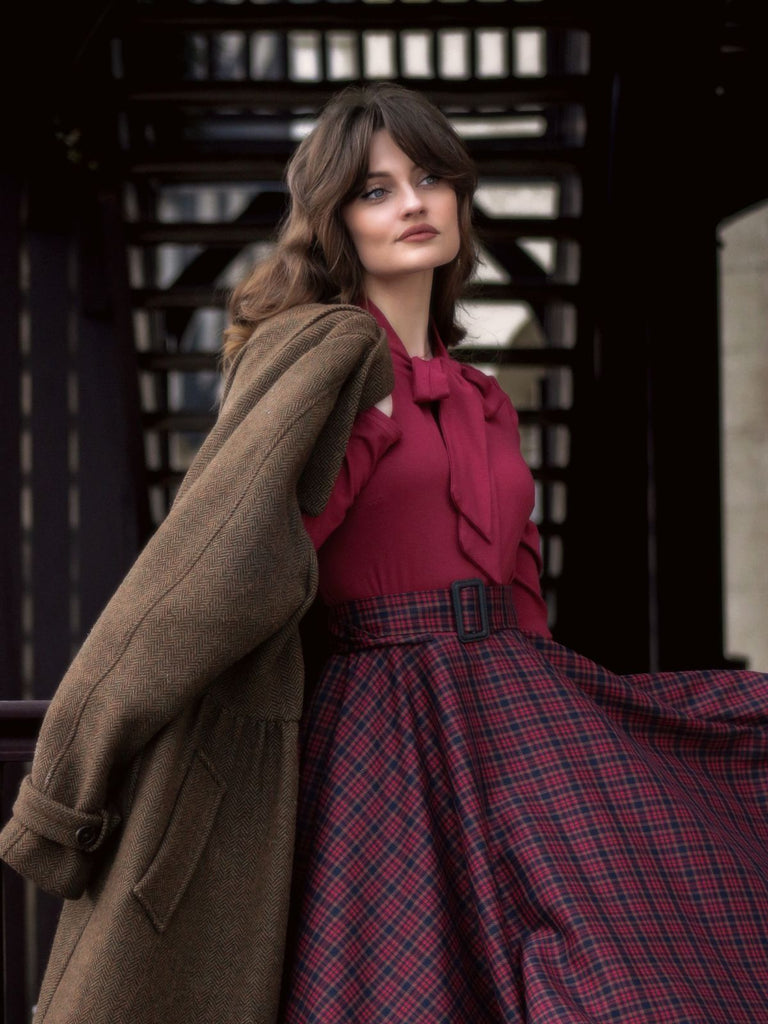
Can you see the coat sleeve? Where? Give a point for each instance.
(229, 566)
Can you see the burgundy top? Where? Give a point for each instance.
(436, 493)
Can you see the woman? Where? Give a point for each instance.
(490, 827)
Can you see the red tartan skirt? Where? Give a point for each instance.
(493, 828)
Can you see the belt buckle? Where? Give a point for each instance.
(468, 635)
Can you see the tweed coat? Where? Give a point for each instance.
(161, 798)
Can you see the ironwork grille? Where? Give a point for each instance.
(216, 97)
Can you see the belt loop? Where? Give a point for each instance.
(467, 635)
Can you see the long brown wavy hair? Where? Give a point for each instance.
(314, 259)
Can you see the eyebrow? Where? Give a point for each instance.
(388, 174)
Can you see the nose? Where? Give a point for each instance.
(413, 201)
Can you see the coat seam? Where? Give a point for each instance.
(169, 590)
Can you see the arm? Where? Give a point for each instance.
(199, 597)
(529, 603)
(372, 436)
(226, 570)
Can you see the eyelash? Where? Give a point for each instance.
(370, 193)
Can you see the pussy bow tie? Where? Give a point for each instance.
(462, 415)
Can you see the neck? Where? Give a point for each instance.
(405, 303)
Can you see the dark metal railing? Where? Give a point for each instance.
(19, 725)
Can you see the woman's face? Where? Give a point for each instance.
(406, 219)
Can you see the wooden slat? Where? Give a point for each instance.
(201, 422)
(166, 422)
(515, 164)
(196, 362)
(546, 474)
(356, 15)
(513, 356)
(19, 724)
(180, 362)
(545, 417)
(550, 474)
(202, 297)
(50, 362)
(233, 233)
(273, 127)
(470, 93)
(12, 196)
(505, 228)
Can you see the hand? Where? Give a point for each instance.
(385, 405)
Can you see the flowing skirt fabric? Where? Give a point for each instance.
(501, 830)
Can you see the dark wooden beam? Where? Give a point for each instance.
(234, 233)
(470, 94)
(284, 17)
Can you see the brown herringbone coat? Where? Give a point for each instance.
(161, 798)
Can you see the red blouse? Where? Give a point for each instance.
(436, 493)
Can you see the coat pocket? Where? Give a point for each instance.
(163, 885)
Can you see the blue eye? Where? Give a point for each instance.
(430, 179)
(374, 193)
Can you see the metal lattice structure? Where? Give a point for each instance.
(212, 113)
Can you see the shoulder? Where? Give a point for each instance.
(292, 333)
(495, 399)
(335, 336)
(331, 338)
(314, 319)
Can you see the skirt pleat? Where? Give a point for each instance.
(502, 830)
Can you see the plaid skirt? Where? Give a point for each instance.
(494, 828)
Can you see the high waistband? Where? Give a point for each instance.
(469, 608)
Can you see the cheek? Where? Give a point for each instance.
(363, 230)
(350, 223)
(452, 215)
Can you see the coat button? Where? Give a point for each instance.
(86, 835)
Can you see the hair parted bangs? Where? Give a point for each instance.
(314, 259)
